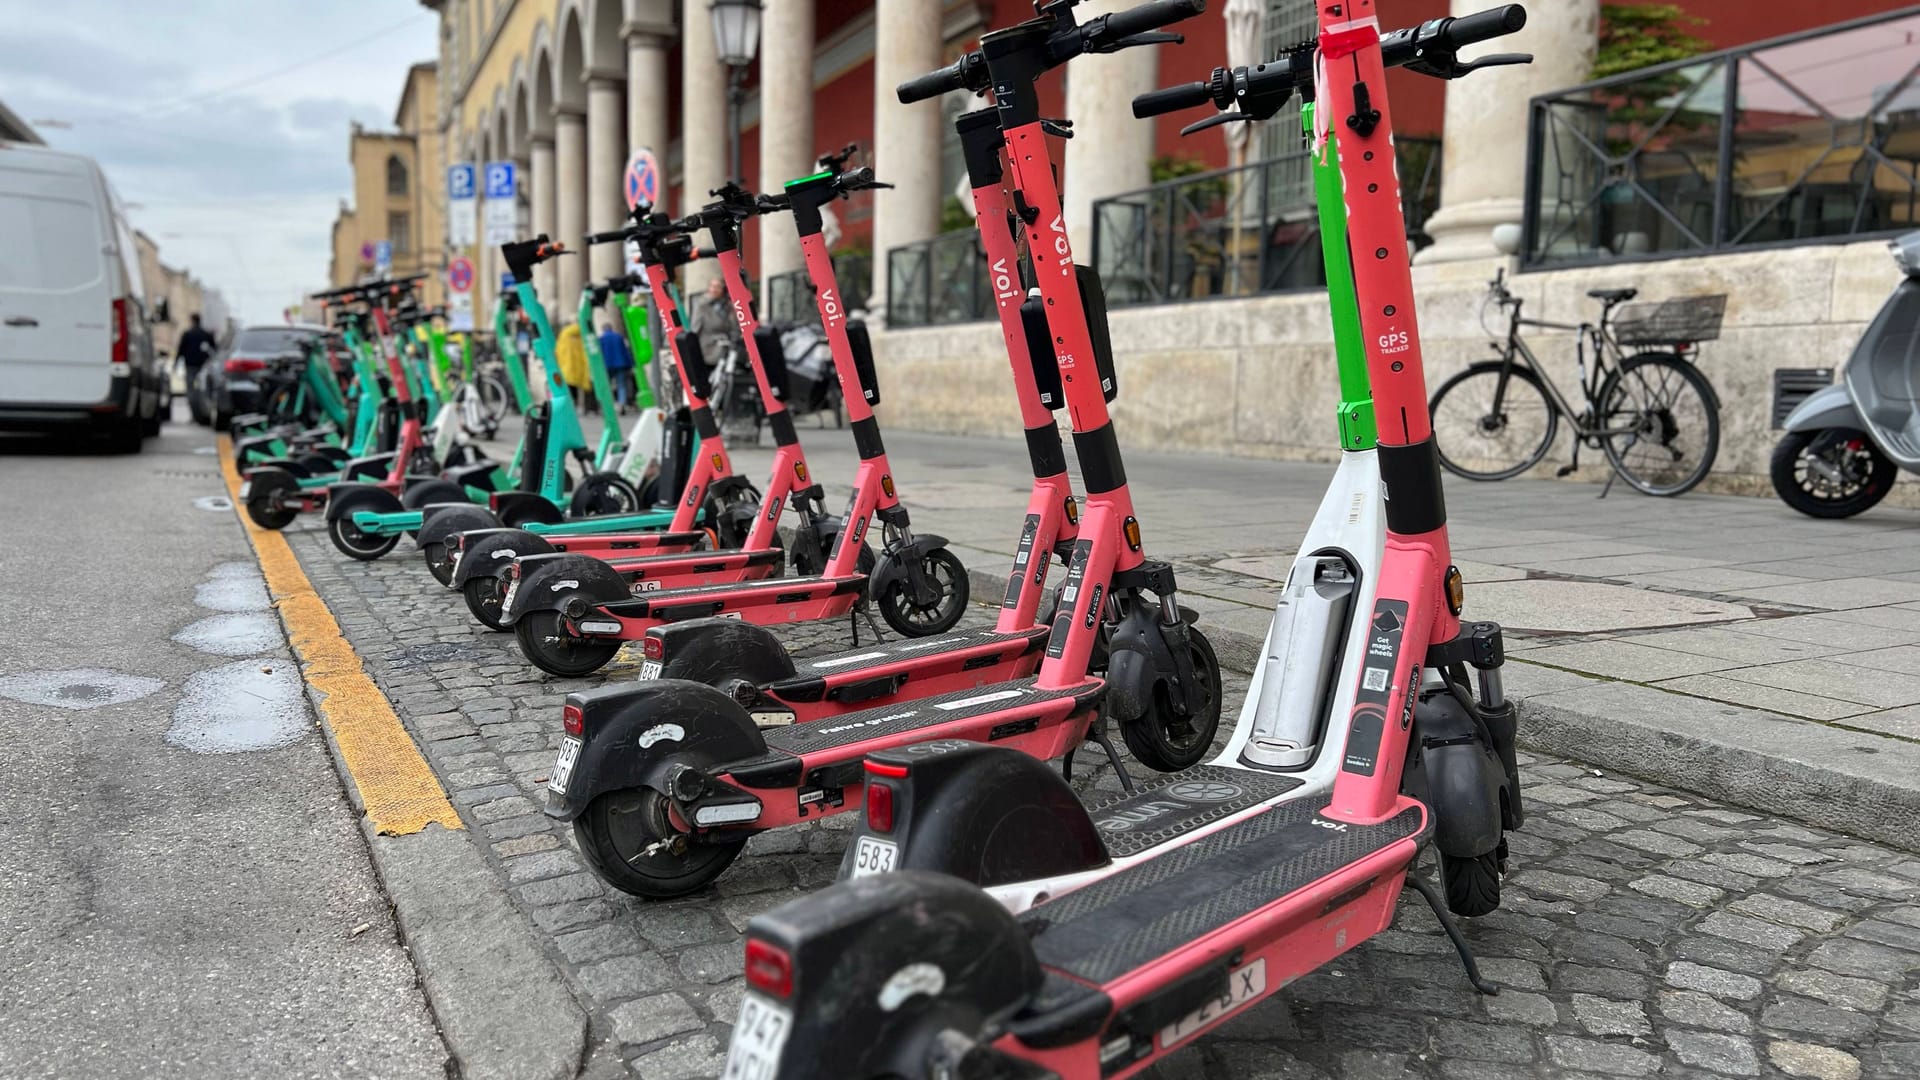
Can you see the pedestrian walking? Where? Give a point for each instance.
(195, 349)
(619, 361)
(572, 354)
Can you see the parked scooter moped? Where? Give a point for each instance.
(1846, 444)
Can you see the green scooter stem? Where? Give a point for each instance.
(612, 443)
(1357, 430)
(640, 344)
(564, 432)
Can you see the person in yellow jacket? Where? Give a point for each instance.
(573, 364)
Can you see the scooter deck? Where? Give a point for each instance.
(1180, 803)
(1002, 711)
(757, 600)
(587, 526)
(716, 566)
(1167, 908)
(853, 674)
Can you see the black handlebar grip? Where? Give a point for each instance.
(1484, 25)
(606, 237)
(933, 83)
(1172, 99)
(1151, 15)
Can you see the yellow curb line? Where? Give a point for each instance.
(398, 791)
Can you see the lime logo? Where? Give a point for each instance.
(1205, 791)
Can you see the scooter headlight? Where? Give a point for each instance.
(1906, 253)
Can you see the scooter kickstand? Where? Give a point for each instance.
(1099, 737)
(1432, 897)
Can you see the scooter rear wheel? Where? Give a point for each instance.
(268, 516)
(551, 647)
(359, 545)
(1164, 740)
(1473, 885)
(484, 593)
(618, 828)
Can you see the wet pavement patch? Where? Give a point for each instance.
(77, 688)
(245, 633)
(232, 587)
(251, 705)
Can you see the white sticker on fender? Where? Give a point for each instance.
(660, 733)
(910, 982)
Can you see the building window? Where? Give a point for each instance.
(1288, 23)
(400, 232)
(1793, 140)
(396, 176)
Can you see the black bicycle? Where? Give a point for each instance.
(1651, 412)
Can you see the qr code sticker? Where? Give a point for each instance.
(1374, 679)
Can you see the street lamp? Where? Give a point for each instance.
(736, 37)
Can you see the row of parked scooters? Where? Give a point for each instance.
(990, 924)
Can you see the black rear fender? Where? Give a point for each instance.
(713, 651)
(440, 522)
(525, 507)
(636, 735)
(490, 552)
(564, 582)
(345, 499)
(984, 814)
(882, 964)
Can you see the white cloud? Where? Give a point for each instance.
(215, 117)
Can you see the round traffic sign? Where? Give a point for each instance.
(460, 274)
(366, 251)
(643, 179)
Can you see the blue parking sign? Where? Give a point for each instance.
(500, 180)
(506, 281)
(460, 179)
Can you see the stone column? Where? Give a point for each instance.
(1483, 168)
(906, 138)
(649, 37)
(1110, 151)
(542, 187)
(703, 126)
(606, 171)
(570, 210)
(786, 122)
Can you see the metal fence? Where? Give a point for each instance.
(1236, 232)
(938, 281)
(790, 295)
(1809, 137)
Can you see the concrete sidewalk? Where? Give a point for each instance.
(1720, 644)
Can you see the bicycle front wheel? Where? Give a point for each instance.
(1492, 421)
(1660, 423)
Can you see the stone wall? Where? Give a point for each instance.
(1255, 378)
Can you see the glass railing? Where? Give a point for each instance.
(790, 295)
(1235, 232)
(1799, 139)
(939, 281)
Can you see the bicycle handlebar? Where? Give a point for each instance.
(1428, 48)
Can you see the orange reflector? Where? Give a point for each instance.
(1131, 530)
(886, 485)
(800, 471)
(1456, 590)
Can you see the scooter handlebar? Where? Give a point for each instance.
(1172, 99)
(967, 73)
(1106, 31)
(1483, 26)
(613, 236)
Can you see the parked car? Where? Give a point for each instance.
(76, 351)
(229, 384)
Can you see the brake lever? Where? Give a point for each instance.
(1215, 120)
(1448, 66)
(1059, 129)
(1151, 37)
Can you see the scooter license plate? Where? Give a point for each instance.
(246, 490)
(873, 856)
(650, 669)
(759, 1035)
(506, 601)
(563, 765)
(1242, 986)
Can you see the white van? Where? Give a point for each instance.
(75, 348)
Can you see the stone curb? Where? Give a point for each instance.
(1862, 784)
(502, 1006)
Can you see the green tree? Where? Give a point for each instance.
(1634, 36)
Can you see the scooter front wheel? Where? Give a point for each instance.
(1833, 473)
(1473, 885)
(556, 650)
(942, 610)
(1164, 739)
(359, 545)
(631, 842)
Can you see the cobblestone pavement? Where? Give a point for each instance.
(1645, 931)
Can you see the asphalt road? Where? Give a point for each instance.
(186, 891)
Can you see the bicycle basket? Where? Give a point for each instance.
(1679, 321)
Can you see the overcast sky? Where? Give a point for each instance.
(226, 120)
